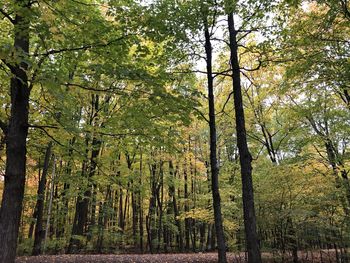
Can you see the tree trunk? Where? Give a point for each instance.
(187, 209)
(213, 155)
(49, 209)
(151, 217)
(140, 204)
(172, 196)
(39, 232)
(35, 210)
(78, 224)
(245, 158)
(16, 135)
(89, 168)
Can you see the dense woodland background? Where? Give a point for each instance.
(118, 145)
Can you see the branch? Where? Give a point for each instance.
(55, 140)
(3, 127)
(249, 17)
(253, 69)
(201, 114)
(221, 73)
(50, 136)
(221, 40)
(12, 68)
(5, 14)
(84, 47)
(248, 78)
(227, 100)
(346, 11)
(42, 126)
(86, 87)
(35, 73)
(110, 89)
(119, 135)
(254, 137)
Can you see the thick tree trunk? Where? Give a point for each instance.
(213, 155)
(39, 231)
(17, 131)
(245, 158)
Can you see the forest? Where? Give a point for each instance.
(175, 131)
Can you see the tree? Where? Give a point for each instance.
(16, 132)
(213, 150)
(39, 207)
(245, 157)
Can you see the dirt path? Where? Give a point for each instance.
(155, 258)
(169, 258)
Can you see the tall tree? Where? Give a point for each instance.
(16, 134)
(213, 150)
(39, 208)
(245, 158)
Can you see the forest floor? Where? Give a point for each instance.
(170, 258)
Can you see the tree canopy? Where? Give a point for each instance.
(164, 126)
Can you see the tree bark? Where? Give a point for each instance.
(245, 157)
(89, 168)
(140, 203)
(39, 232)
(16, 135)
(213, 155)
(49, 209)
(172, 195)
(187, 209)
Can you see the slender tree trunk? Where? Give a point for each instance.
(78, 224)
(213, 155)
(140, 204)
(16, 135)
(120, 213)
(39, 232)
(35, 210)
(88, 168)
(245, 158)
(202, 236)
(103, 218)
(151, 217)
(187, 209)
(49, 209)
(172, 195)
(160, 200)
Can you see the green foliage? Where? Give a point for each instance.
(122, 78)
